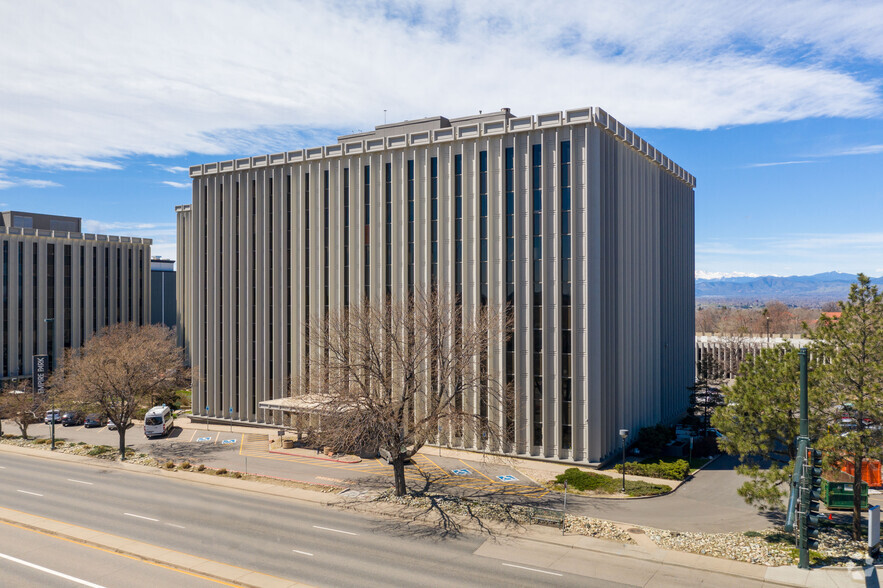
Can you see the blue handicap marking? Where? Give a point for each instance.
(228, 441)
(204, 439)
(461, 472)
(507, 478)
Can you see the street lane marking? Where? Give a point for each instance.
(128, 514)
(48, 571)
(302, 552)
(80, 481)
(2, 467)
(31, 493)
(176, 526)
(335, 530)
(193, 435)
(114, 552)
(533, 570)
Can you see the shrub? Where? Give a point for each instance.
(677, 470)
(641, 488)
(169, 465)
(200, 468)
(580, 480)
(237, 475)
(41, 441)
(653, 440)
(221, 472)
(99, 449)
(185, 465)
(59, 442)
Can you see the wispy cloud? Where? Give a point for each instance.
(11, 182)
(172, 169)
(775, 163)
(305, 64)
(148, 230)
(862, 150)
(795, 252)
(177, 184)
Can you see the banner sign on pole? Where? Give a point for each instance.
(41, 367)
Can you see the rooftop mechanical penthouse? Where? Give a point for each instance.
(569, 222)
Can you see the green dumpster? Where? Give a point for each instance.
(837, 491)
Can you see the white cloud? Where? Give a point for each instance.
(776, 163)
(703, 275)
(83, 86)
(862, 150)
(177, 184)
(146, 230)
(11, 182)
(796, 253)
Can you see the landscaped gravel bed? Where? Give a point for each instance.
(108, 453)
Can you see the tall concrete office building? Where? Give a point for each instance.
(61, 285)
(585, 228)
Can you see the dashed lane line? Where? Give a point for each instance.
(128, 514)
(532, 569)
(45, 570)
(334, 530)
(27, 492)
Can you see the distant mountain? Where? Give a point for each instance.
(790, 290)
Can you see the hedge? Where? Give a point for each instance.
(666, 471)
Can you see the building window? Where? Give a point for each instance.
(236, 262)
(326, 225)
(458, 228)
(220, 290)
(21, 310)
(130, 284)
(94, 287)
(536, 178)
(287, 214)
(306, 204)
(50, 301)
(254, 296)
(67, 297)
(82, 294)
(410, 226)
(566, 316)
(482, 287)
(367, 194)
(119, 286)
(270, 320)
(5, 308)
(346, 237)
(509, 231)
(387, 188)
(433, 222)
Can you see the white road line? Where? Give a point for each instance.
(2, 467)
(128, 514)
(176, 526)
(31, 493)
(48, 571)
(302, 552)
(335, 530)
(80, 482)
(533, 570)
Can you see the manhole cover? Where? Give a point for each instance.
(636, 531)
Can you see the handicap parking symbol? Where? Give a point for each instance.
(461, 472)
(228, 441)
(507, 478)
(204, 439)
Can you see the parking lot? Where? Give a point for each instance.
(237, 450)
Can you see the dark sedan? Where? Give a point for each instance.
(94, 420)
(71, 418)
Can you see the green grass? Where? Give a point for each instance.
(582, 481)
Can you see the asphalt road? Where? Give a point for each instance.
(30, 558)
(280, 537)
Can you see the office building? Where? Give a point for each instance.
(163, 289)
(61, 285)
(580, 225)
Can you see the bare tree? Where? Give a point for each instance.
(20, 405)
(121, 369)
(395, 376)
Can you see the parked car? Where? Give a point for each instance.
(111, 425)
(52, 416)
(71, 418)
(94, 420)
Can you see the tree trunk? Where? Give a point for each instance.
(857, 500)
(122, 432)
(398, 469)
(24, 431)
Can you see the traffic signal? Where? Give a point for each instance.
(813, 465)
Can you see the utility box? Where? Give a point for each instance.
(837, 491)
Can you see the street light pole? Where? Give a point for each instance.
(624, 433)
(49, 324)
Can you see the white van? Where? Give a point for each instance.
(158, 421)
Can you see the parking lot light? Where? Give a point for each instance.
(624, 433)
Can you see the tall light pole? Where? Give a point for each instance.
(49, 324)
(624, 433)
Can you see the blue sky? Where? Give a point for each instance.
(775, 107)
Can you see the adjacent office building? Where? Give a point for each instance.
(163, 288)
(570, 220)
(61, 285)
